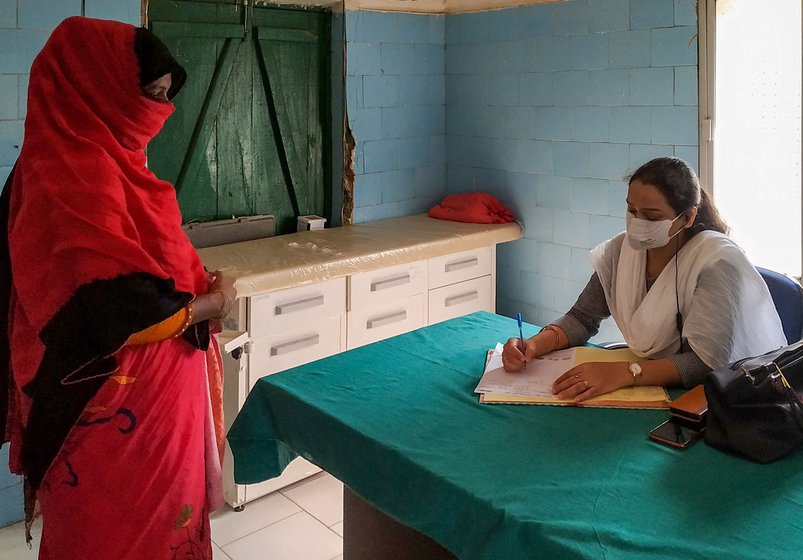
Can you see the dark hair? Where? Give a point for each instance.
(156, 60)
(679, 184)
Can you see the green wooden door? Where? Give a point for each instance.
(251, 132)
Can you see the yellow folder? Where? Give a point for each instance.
(641, 396)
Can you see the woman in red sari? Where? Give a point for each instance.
(109, 377)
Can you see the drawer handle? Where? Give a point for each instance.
(294, 345)
(299, 305)
(462, 298)
(386, 319)
(390, 282)
(466, 263)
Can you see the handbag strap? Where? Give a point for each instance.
(793, 398)
(794, 401)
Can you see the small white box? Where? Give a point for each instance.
(310, 222)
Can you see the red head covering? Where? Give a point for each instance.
(88, 206)
(95, 241)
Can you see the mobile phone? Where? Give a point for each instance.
(675, 434)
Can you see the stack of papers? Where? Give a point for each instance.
(533, 385)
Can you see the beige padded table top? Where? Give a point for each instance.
(274, 263)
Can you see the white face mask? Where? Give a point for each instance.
(646, 234)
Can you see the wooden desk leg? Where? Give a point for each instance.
(369, 534)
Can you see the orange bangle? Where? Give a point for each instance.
(557, 336)
(187, 321)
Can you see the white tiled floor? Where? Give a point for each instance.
(301, 522)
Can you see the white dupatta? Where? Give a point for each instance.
(735, 320)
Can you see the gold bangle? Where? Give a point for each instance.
(557, 335)
(227, 303)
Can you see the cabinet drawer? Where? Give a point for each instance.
(298, 469)
(277, 311)
(235, 320)
(294, 347)
(368, 289)
(458, 267)
(461, 299)
(238, 494)
(386, 320)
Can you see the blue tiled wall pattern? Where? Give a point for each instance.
(10, 492)
(24, 28)
(549, 106)
(396, 95)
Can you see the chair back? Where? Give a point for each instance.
(787, 295)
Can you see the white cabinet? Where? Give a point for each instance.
(274, 312)
(458, 267)
(367, 289)
(386, 320)
(235, 389)
(237, 495)
(460, 299)
(296, 325)
(386, 302)
(286, 328)
(282, 350)
(462, 283)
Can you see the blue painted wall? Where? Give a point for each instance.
(548, 107)
(10, 492)
(25, 26)
(395, 87)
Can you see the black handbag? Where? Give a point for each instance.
(754, 407)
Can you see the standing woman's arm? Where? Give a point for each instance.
(214, 305)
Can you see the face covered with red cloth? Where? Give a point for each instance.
(95, 251)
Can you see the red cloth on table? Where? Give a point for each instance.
(476, 207)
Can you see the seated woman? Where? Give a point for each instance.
(683, 294)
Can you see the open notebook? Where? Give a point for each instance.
(533, 385)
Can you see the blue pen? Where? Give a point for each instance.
(521, 333)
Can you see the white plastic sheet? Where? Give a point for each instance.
(274, 263)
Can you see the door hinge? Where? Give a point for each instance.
(707, 130)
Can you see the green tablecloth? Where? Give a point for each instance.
(398, 422)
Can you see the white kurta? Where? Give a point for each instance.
(735, 321)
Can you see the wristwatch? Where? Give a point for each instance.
(635, 371)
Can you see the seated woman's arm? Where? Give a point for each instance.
(573, 329)
(690, 368)
(582, 322)
(683, 369)
(592, 379)
(711, 322)
(583, 319)
(716, 294)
